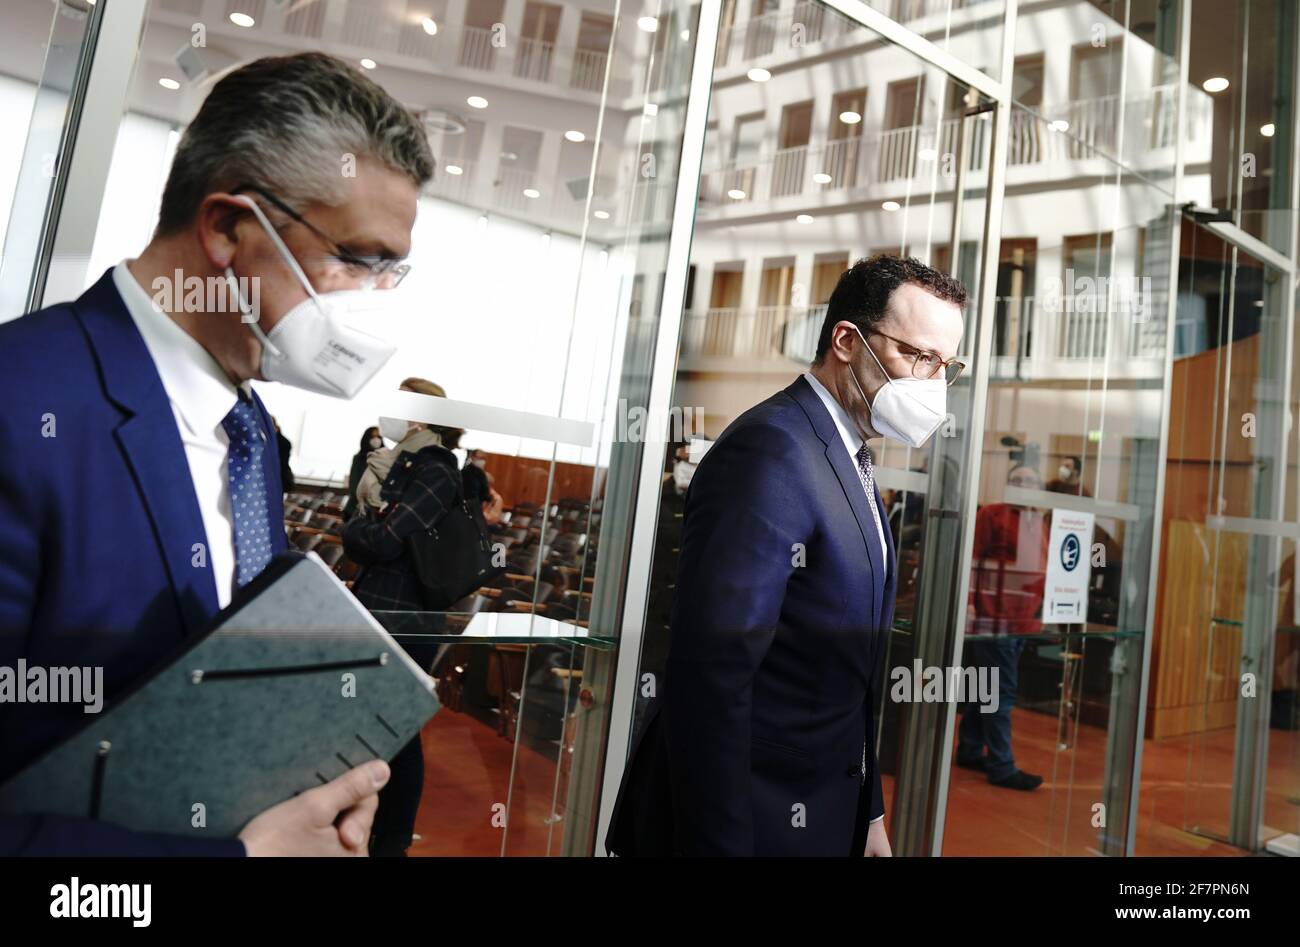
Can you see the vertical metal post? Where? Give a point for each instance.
(662, 381)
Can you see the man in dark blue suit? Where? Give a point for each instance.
(761, 740)
(139, 475)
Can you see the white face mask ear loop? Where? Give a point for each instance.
(857, 384)
(289, 258)
(233, 283)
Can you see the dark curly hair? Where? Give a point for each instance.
(862, 294)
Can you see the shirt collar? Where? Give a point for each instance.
(844, 424)
(195, 384)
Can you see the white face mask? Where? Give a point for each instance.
(905, 409)
(376, 443)
(312, 346)
(394, 429)
(1063, 472)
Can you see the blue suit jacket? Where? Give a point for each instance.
(99, 533)
(780, 613)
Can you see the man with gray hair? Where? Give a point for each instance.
(139, 476)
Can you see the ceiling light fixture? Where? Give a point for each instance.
(1215, 84)
(242, 19)
(476, 102)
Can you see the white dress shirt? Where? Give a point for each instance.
(852, 443)
(201, 395)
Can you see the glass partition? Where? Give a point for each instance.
(844, 147)
(1060, 560)
(531, 303)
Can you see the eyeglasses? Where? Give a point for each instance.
(926, 364)
(381, 272)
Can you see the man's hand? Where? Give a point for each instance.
(333, 819)
(877, 842)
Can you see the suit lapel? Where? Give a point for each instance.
(847, 474)
(152, 446)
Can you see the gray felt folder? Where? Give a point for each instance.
(295, 684)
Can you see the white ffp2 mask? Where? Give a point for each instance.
(909, 410)
(312, 346)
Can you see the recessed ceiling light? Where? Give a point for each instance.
(1267, 130)
(821, 177)
(476, 102)
(804, 219)
(600, 214)
(927, 154)
(648, 23)
(430, 27)
(575, 136)
(736, 194)
(651, 109)
(686, 36)
(1059, 125)
(1215, 84)
(168, 83)
(759, 74)
(241, 19)
(890, 206)
(532, 193)
(454, 169)
(368, 63)
(850, 117)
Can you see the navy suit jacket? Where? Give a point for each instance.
(100, 563)
(780, 613)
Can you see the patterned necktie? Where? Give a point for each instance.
(248, 506)
(867, 473)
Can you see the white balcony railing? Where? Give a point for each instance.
(765, 333)
(476, 49)
(533, 59)
(896, 155)
(588, 71)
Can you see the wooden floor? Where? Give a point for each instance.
(1185, 783)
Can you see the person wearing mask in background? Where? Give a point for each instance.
(370, 441)
(1068, 478)
(1010, 565)
(129, 425)
(425, 486)
(478, 487)
(785, 593)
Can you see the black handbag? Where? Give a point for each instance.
(454, 557)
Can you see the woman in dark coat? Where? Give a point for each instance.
(369, 441)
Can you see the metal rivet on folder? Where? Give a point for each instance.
(196, 677)
(383, 658)
(104, 747)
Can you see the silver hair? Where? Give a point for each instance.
(289, 125)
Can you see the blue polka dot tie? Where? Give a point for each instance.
(248, 490)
